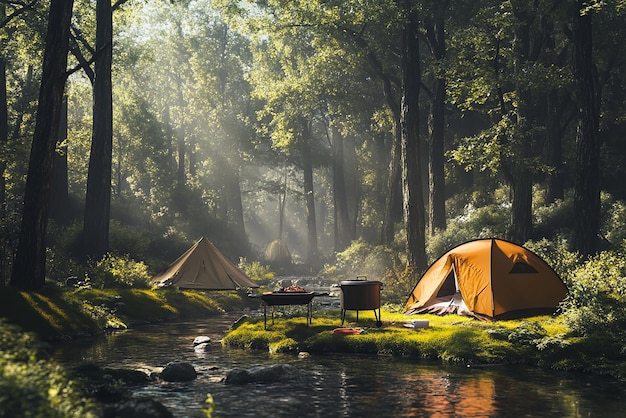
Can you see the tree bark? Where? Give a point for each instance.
(343, 227)
(307, 171)
(98, 198)
(236, 205)
(29, 267)
(520, 180)
(4, 130)
(60, 194)
(436, 174)
(393, 199)
(587, 181)
(554, 151)
(413, 200)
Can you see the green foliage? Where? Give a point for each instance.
(122, 271)
(613, 226)
(398, 282)
(361, 259)
(34, 387)
(256, 270)
(595, 303)
(287, 345)
(473, 222)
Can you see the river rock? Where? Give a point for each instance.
(202, 339)
(239, 321)
(202, 348)
(178, 372)
(262, 374)
(137, 408)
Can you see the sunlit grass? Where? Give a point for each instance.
(451, 338)
(58, 312)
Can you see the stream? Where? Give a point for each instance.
(340, 385)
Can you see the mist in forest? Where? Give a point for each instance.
(316, 125)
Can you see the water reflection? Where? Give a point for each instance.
(343, 386)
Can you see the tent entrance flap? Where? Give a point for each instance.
(449, 286)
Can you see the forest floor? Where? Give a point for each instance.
(58, 313)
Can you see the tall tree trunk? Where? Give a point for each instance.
(412, 191)
(554, 153)
(343, 227)
(587, 182)
(282, 200)
(29, 267)
(520, 177)
(393, 199)
(98, 199)
(4, 129)
(307, 171)
(60, 194)
(236, 204)
(436, 174)
(180, 172)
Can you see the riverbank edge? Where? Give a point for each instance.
(61, 314)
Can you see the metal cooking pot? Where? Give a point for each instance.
(358, 295)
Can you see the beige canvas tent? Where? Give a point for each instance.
(277, 253)
(203, 266)
(488, 278)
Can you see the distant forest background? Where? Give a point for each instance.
(400, 127)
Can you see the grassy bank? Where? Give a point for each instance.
(58, 312)
(539, 341)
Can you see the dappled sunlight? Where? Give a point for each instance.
(48, 310)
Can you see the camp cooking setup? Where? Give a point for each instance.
(487, 278)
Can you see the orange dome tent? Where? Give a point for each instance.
(488, 277)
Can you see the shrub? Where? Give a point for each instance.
(614, 220)
(597, 291)
(122, 271)
(256, 271)
(362, 259)
(34, 387)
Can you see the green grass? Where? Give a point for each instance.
(537, 341)
(57, 312)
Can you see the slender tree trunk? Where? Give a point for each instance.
(60, 194)
(180, 172)
(29, 267)
(4, 129)
(98, 198)
(282, 200)
(412, 191)
(520, 179)
(307, 169)
(436, 174)
(236, 205)
(587, 182)
(554, 154)
(343, 229)
(393, 200)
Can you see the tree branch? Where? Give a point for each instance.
(24, 7)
